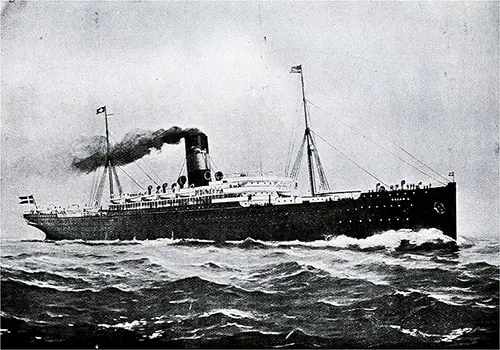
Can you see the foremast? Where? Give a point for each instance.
(109, 169)
(108, 155)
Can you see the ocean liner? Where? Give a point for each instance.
(206, 204)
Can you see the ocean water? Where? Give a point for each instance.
(398, 289)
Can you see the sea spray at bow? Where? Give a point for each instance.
(89, 153)
(397, 289)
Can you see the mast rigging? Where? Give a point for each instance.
(108, 156)
(96, 194)
(312, 152)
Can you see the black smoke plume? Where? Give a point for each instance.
(90, 153)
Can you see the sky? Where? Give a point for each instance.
(380, 77)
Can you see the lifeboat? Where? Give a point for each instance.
(118, 200)
(149, 197)
(133, 197)
(167, 195)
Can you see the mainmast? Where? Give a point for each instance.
(307, 133)
(311, 146)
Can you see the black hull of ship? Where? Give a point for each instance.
(371, 213)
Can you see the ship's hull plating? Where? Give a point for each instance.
(371, 213)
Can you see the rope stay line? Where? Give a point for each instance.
(290, 151)
(212, 164)
(131, 178)
(351, 160)
(182, 167)
(418, 160)
(94, 188)
(379, 145)
(144, 171)
(100, 188)
(384, 136)
(152, 170)
(323, 180)
(137, 164)
(298, 160)
(292, 143)
(117, 180)
(293, 135)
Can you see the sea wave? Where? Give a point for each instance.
(404, 240)
(396, 289)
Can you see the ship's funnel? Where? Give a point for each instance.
(197, 164)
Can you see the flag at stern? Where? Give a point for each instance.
(27, 199)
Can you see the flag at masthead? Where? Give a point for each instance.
(101, 110)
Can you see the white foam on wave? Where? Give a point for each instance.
(43, 284)
(456, 333)
(170, 241)
(156, 334)
(125, 325)
(24, 319)
(92, 242)
(414, 332)
(392, 239)
(233, 313)
(257, 289)
(193, 337)
(182, 301)
(349, 271)
(65, 288)
(214, 326)
(402, 292)
(447, 299)
(447, 295)
(28, 271)
(481, 305)
(234, 324)
(339, 302)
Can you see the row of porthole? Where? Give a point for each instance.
(390, 194)
(397, 219)
(211, 217)
(376, 207)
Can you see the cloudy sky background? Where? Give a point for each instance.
(420, 75)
